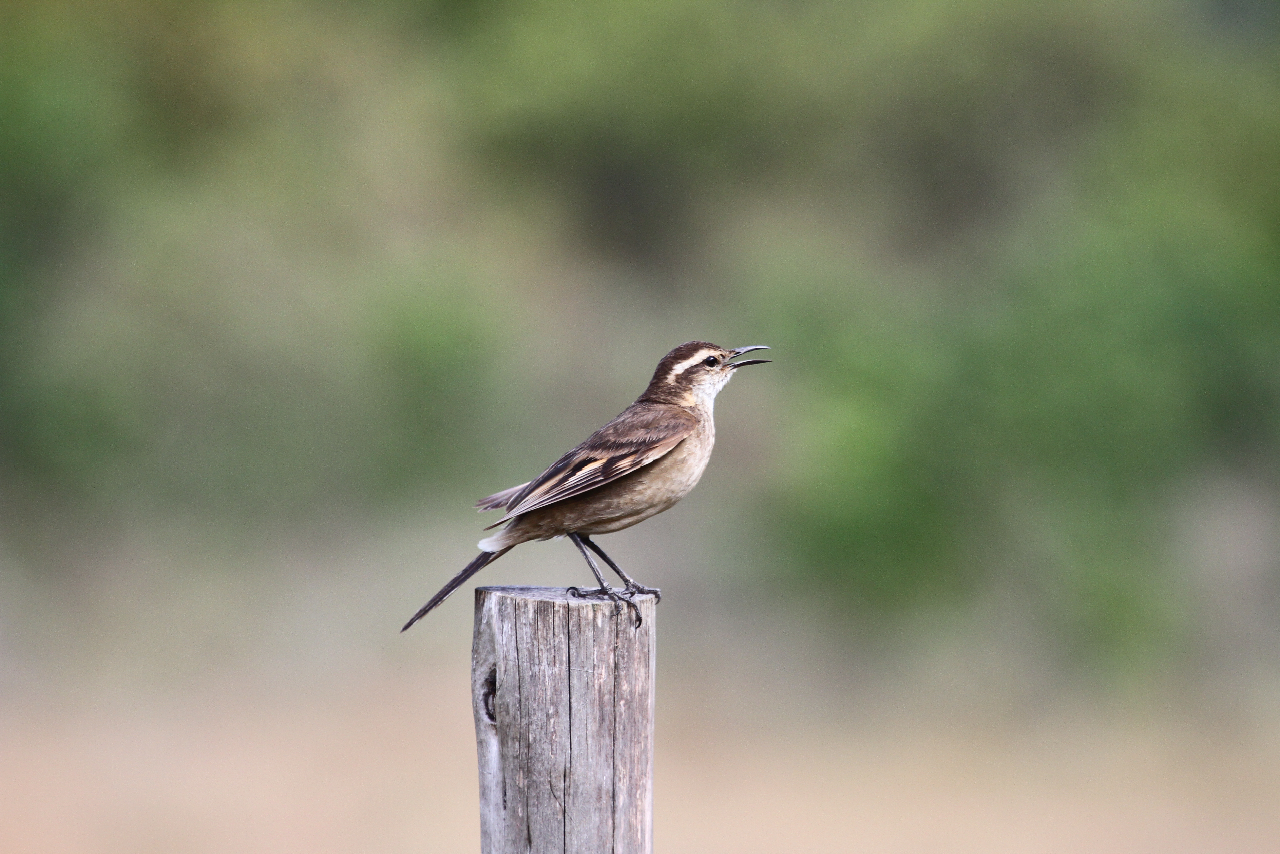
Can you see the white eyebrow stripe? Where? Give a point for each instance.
(687, 364)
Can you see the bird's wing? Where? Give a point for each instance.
(637, 437)
(500, 500)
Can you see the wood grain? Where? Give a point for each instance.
(563, 690)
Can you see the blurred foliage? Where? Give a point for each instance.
(934, 109)
(1021, 260)
(197, 313)
(1062, 391)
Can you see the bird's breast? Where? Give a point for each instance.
(673, 475)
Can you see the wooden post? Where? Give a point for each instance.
(562, 690)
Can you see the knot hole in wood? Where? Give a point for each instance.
(488, 694)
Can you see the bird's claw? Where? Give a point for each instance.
(595, 593)
(625, 596)
(634, 589)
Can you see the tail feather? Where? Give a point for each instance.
(482, 560)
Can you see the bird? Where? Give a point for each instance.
(636, 466)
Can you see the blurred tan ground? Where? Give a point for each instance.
(273, 707)
(385, 762)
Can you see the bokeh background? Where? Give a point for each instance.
(987, 560)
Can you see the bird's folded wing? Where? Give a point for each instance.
(635, 438)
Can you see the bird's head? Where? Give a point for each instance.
(693, 374)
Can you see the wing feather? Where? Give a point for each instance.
(637, 437)
(500, 500)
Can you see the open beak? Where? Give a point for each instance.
(740, 350)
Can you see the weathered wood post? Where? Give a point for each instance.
(562, 690)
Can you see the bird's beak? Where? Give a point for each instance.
(740, 350)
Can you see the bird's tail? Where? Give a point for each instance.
(482, 560)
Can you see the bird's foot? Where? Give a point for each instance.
(595, 593)
(634, 589)
(619, 597)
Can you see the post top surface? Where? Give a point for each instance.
(547, 594)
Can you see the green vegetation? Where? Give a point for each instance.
(1021, 263)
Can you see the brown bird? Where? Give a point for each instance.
(634, 467)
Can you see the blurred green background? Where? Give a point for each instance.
(284, 286)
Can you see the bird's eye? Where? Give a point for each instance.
(711, 361)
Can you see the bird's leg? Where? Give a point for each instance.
(633, 587)
(604, 591)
